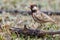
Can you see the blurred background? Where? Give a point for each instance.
(49, 5)
(18, 20)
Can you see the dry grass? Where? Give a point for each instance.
(9, 21)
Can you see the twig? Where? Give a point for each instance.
(26, 12)
(31, 32)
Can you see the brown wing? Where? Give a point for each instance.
(43, 18)
(47, 18)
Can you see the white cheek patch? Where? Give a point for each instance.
(34, 8)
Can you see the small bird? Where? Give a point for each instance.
(39, 16)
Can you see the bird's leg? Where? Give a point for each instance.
(43, 24)
(39, 26)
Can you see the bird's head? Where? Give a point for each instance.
(33, 8)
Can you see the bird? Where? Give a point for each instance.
(39, 16)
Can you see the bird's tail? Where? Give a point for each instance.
(55, 22)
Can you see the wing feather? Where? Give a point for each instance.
(42, 17)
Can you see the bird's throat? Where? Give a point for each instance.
(34, 11)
